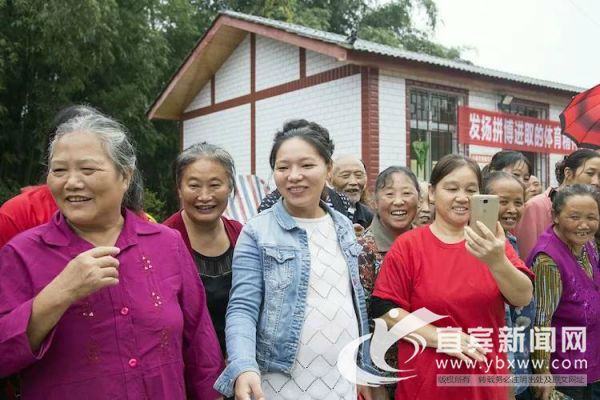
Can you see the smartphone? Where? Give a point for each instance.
(484, 208)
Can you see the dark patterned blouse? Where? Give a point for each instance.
(369, 263)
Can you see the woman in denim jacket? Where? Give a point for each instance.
(296, 298)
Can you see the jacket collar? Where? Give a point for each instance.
(59, 233)
(288, 223)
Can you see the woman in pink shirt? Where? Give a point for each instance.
(97, 303)
(581, 166)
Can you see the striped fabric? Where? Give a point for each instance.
(250, 191)
(547, 292)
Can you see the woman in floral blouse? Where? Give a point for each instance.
(396, 200)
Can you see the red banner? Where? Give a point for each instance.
(514, 132)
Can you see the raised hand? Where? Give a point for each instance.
(89, 272)
(486, 246)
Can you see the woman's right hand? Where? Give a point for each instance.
(247, 385)
(89, 272)
(469, 349)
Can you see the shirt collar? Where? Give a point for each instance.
(383, 237)
(59, 233)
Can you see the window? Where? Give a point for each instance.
(433, 120)
(520, 107)
(539, 161)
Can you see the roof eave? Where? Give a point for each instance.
(367, 58)
(156, 111)
(171, 105)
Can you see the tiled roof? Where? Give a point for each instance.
(377, 48)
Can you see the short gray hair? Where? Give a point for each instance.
(578, 189)
(208, 151)
(117, 145)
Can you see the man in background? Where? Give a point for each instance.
(349, 176)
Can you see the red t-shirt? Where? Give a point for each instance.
(35, 206)
(422, 271)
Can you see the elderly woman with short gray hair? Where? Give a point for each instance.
(98, 303)
(205, 176)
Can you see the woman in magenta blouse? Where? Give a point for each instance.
(97, 303)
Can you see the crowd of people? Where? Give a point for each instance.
(100, 301)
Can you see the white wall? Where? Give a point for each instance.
(555, 110)
(335, 105)
(392, 119)
(233, 78)
(484, 100)
(317, 62)
(276, 63)
(202, 99)
(229, 129)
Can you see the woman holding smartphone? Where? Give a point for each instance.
(452, 271)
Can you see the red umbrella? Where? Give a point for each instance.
(580, 120)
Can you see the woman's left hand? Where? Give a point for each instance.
(486, 246)
(358, 230)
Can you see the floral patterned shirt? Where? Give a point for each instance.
(369, 263)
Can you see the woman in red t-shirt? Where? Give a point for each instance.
(463, 277)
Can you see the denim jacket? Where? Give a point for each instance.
(265, 315)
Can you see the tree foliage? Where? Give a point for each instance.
(394, 23)
(116, 55)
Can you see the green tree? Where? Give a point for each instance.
(391, 23)
(116, 55)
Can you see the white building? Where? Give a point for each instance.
(247, 75)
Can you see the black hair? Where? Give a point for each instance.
(451, 162)
(573, 161)
(311, 132)
(384, 178)
(578, 189)
(495, 176)
(506, 158)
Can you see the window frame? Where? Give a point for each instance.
(432, 125)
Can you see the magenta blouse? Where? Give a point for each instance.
(149, 337)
